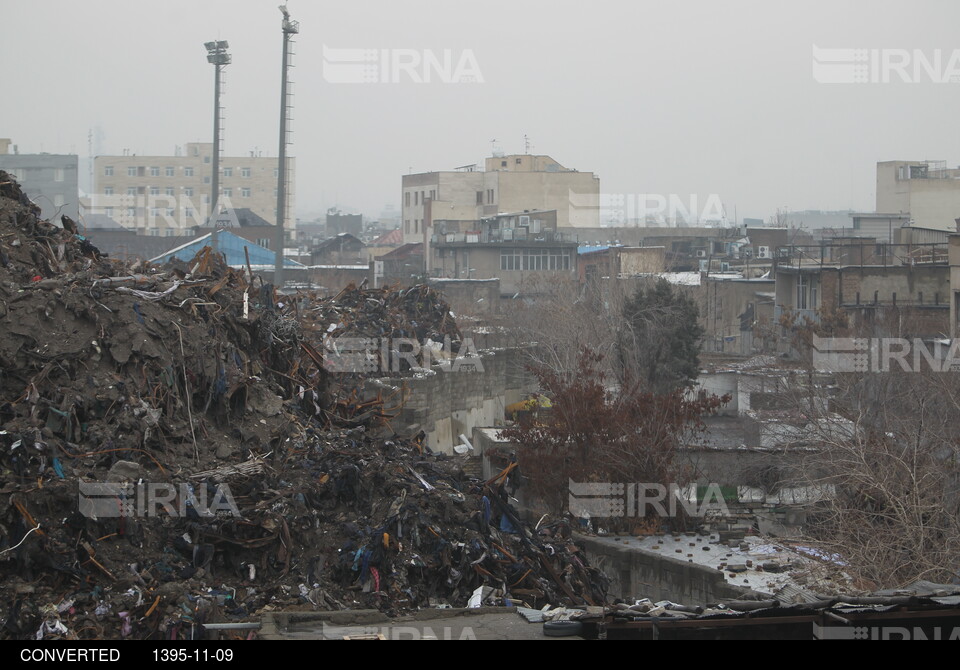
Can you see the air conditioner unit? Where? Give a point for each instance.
(764, 252)
(701, 253)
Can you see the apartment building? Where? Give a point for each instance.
(49, 180)
(927, 191)
(169, 195)
(508, 183)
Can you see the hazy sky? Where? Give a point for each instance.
(713, 97)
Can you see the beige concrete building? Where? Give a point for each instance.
(926, 190)
(169, 195)
(522, 249)
(513, 183)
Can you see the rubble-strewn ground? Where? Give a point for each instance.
(156, 379)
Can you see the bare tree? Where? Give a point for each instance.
(887, 455)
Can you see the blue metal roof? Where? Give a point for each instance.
(587, 250)
(232, 247)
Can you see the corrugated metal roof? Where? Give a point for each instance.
(231, 246)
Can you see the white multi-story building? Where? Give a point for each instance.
(168, 195)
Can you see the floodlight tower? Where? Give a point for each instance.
(289, 28)
(218, 56)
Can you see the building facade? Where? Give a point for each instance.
(927, 191)
(49, 180)
(169, 195)
(511, 183)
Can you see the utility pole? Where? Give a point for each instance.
(289, 28)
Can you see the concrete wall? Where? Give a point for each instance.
(448, 403)
(333, 278)
(723, 301)
(638, 574)
(640, 260)
(49, 180)
(470, 296)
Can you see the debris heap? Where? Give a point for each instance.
(172, 454)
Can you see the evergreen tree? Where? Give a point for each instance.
(660, 342)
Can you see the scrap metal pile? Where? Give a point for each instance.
(172, 453)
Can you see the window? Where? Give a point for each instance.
(169, 211)
(170, 171)
(108, 171)
(131, 190)
(131, 211)
(245, 172)
(503, 163)
(131, 172)
(188, 212)
(188, 191)
(244, 192)
(58, 174)
(406, 227)
(518, 161)
(154, 211)
(154, 190)
(154, 172)
(58, 200)
(206, 180)
(479, 197)
(276, 192)
(108, 211)
(228, 192)
(227, 172)
(188, 172)
(406, 199)
(416, 197)
(276, 172)
(263, 242)
(206, 159)
(534, 259)
(168, 190)
(206, 199)
(433, 194)
(489, 196)
(108, 190)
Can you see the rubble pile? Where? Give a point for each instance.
(418, 312)
(153, 478)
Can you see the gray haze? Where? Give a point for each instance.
(682, 97)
